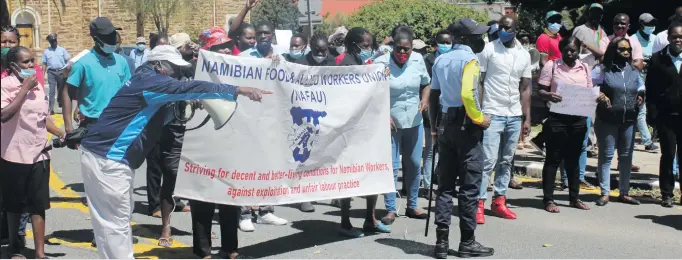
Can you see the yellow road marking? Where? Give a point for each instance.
(596, 190)
(59, 187)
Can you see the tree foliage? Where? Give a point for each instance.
(160, 11)
(283, 14)
(426, 17)
(573, 11)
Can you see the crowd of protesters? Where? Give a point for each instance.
(471, 93)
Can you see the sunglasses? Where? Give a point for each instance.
(623, 49)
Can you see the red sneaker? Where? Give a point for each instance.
(480, 212)
(499, 208)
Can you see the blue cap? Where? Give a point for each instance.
(551, 13)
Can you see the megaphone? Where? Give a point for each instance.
(221, 111)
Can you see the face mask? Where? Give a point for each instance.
(341, 49)
(554, 28)
(264, 47)
(506, 36)
(141, 47)
(444, 48)
(296, 53)
(319, 59)
(366, 54)
(4, 52)
(25, 73)
(401, 57)
(477, 44)
(169, 70)
(106, 48)
(648, 30)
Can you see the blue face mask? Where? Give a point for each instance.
(366, 54)
(296, 53)
(264, 47)
(25, 73)
(506, 36)
(648, 30)
(444, 48)
(141, 47)
(554, 28)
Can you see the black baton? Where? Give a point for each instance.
(430, 197)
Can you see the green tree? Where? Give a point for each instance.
(426, 17)
(160, 11)
(573, 11)
(283, 14)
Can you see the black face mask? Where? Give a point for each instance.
(476, 43)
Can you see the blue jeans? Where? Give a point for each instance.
(582, 163)
(499, 144)
(428, 157)
(642, 127)
(612, 137)
(676, 166)
(409, 141)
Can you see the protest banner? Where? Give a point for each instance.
(575, 100)
(324, 133)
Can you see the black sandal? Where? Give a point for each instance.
(551, 207)
(628, 200)
(602, 201)
(578, 204)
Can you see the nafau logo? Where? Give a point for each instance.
(306, 130)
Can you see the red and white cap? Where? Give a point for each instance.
(213, 36)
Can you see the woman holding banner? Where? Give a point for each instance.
(622, 93)
(358, 46)
(215, 40)
(408, 75)
(565, 132)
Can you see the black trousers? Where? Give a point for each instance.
(202, 220)
(162, 164)
(460, 157)
(670, 136)
(564, 141)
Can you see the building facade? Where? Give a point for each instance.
(35, 19)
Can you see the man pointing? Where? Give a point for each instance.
(125, 132)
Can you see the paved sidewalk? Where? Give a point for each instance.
(530, 162)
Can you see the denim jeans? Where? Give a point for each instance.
(642, 127)
(409, 141)
(676, 165)
(612, 138)
(428, 157)
(499, 144)
(582, 163)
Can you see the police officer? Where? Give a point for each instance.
(454, 90)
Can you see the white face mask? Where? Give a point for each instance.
(341, 49)
(319, 59)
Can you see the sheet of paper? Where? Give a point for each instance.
(576, 100)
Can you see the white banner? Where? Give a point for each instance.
(575, 100)
(323, 134)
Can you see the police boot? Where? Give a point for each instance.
(472, 248)
(442, 242)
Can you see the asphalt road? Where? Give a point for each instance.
(614, 231)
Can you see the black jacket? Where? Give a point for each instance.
(663, 87)
(621, 87)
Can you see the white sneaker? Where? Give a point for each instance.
(271, 219)
(245, 225)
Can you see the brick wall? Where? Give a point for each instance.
(71, 23)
